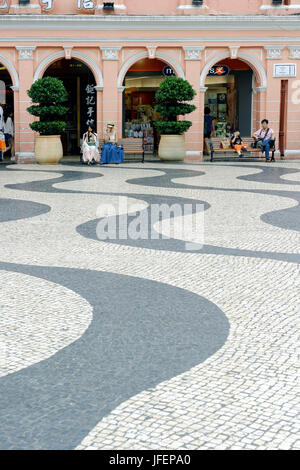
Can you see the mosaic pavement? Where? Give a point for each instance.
(141, 344)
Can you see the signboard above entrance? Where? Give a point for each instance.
(218, 70)
(168, 71)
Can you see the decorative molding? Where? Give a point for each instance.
(14, 88)
(98, 88)
(234, 51)
(193, 52)
(203, 89)
(26, 52)
(151, 52)
(151, 22)
(294, 52)
(68, 52)
(280, 7)
(121, 88)
(142, 42)
(274, 52)
(76, 55)
(110, 52)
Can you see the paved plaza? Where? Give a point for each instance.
(141, 343)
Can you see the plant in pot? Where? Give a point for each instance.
(171, 99)
(48, 94)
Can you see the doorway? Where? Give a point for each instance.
(79, 82)
(141, 84)
(229, 96)
(7, 100)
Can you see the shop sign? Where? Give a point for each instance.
(284, 70)
(168, 71)
(218, 70)
(90, 104)
(86, 4)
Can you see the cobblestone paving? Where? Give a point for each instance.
(81, 317)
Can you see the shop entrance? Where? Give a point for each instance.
(79, 82)
(6, 98)
(229, 96)
(141, 83)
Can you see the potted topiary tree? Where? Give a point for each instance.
(171, 101)
(49, 93)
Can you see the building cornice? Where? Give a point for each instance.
(169, 23)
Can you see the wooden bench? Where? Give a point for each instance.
(215, 147)
(133, 146)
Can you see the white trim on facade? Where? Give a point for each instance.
(178, 41)
(12, 71)
(144, 54)
(280, 7)
(76, 55)
(148, 22)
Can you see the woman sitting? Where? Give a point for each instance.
(237, 143)
(111, 153)
(90, 153)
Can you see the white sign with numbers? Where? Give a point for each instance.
(284, 70)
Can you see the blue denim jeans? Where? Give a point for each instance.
(265, 146)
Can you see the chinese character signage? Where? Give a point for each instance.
(90, 105)
(48, 4)
(86, 4)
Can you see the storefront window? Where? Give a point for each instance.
(141, 83)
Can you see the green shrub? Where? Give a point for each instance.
(171, 102)
(48, 93)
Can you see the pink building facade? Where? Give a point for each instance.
(113, 55)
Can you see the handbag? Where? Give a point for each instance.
(225, 144)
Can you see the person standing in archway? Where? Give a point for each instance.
(209, 128)
(9, 134)
(2, 137)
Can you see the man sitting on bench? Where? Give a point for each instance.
(265, 138)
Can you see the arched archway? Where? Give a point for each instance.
(88, 61)
(140, 83)
(11, 70)
(229, 85)
(257, 68)
(80, 82)
(144, 55)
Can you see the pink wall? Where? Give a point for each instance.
(173, 48)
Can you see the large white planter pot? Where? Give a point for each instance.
(48, 149)
(172, 148)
